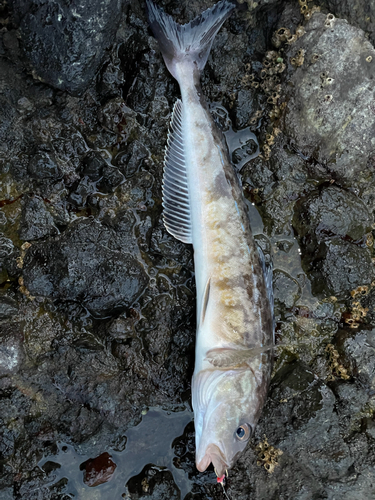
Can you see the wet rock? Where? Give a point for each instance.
(97, 176)
(43, 166)
(6, 248)
(36, 222)
(279, 183)
(133, 159)
(328, 222)
(8, 307)
(117, 117)
(343, 266)
(155, 483)
(358, 12)
(323, 94)
(360, 351)
(98, 470)
(330, 212)
(78, 266)
(93, 165)
(111, 178)
(299, 406)
(11, 348)
(65, 46)
(286, 290)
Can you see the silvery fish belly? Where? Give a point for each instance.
(203, 205)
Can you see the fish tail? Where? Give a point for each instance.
(190, 43)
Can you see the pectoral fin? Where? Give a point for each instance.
(206, 296)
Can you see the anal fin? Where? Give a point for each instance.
(176, 201)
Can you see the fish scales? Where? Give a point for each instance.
(234, 303)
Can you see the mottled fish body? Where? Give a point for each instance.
(203, 205)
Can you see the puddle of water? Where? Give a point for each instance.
(149, 442)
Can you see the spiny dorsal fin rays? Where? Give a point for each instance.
(176, 202)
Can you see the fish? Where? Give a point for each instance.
(203, 205)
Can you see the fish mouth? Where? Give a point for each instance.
(213, 454)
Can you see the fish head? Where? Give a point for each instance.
(227, 405)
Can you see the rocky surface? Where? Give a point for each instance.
(97, 300)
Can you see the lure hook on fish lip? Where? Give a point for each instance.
(221, 480)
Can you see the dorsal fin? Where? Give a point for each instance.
(176, 200)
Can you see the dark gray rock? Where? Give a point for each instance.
(330, 212)
(78, 266)
(65, 44)
(36, 222)
(327, 222)
(324, 96)
(153, 484)
(341, 267)
(359, 349)
(360, 13)
(8, 307)
(11, 348)
(286, 290)
(43, 166)
(299, 406)
(133, 159)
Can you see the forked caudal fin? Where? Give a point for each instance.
(189, 42)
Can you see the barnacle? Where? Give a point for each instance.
(314, 58)
(370, 240)
(271, 55)
(266, 152)
(254, 119)
(328, 98)
(280, 67)
(358, 312)
(246, 80)
(336, 367)
(299, 58)
(19, 259)
(300, 31)
(280, 36)
(272, 100)
(369, 59)
(307, 13)
(291, 39)
(268, 455)
(330, 19)
(274, 113)
(270, 139)
(24, 290)
(359, 291)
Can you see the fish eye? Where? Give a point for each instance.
(243, 432)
